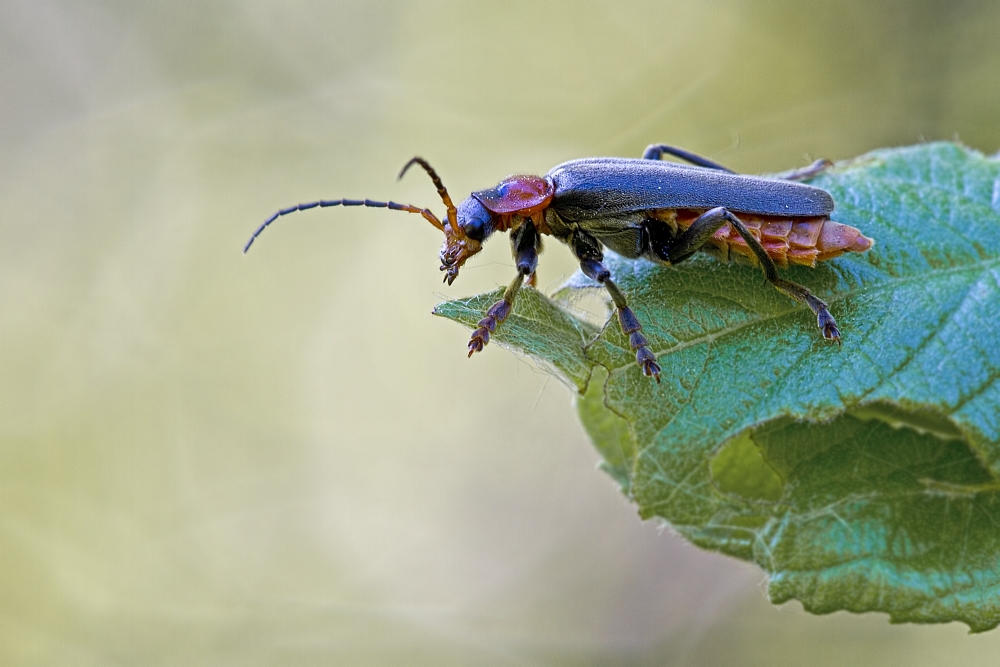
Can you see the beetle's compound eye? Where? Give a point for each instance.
(475, 230)
(475, 220)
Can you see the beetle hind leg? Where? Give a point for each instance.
(657, 151)
(809, 172)
(702, 229)
(824, 319)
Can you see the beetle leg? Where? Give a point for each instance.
(495, 316)
(806, 173)
(656, 151)
(588, 251)
(525, 243)
(702, 229)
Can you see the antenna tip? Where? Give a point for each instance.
(406, 167)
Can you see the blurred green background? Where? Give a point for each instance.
(283, 458)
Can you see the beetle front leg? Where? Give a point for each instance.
(495, 316)
(705, 226)
(588, 251)
(525, 243)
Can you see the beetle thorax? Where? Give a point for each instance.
(515, 199)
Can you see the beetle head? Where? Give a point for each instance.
(474, 225)
(465, 228)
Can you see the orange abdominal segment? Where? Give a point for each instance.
(786, 240)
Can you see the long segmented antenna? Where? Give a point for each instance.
(442, 191)
(323, 203)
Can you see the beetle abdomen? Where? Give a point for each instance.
(787, 240)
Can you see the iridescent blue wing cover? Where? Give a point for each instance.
(600, 187)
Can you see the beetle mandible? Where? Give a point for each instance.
(639, 208)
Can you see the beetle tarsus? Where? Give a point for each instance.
(647, 360)
(826, 322)
(480, 337)
(643, 355)
(495, 316)
(497, 313)
(831, 332)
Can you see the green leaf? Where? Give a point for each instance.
(863, 477)
(538, 327)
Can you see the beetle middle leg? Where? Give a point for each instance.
(525, 243)
(702, 229)
(588, 251)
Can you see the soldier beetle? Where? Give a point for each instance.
(639, 208)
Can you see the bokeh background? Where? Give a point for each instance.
(283, 458)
